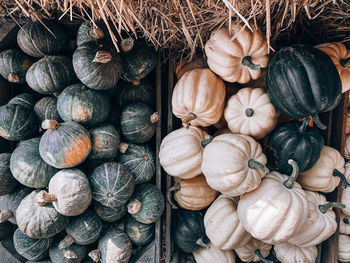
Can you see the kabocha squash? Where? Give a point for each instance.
(296, 141)
(41, 38)
(46, 109)
(307, 84)
(39, 221)
(250, 112)
(222, 225)
(109, 214)
(50, 74)
(14, 65)
(97, 65)
(289, 253)
(233, 164)
(138, 122)
(254, 250)
(344, 224)
(89, 33)
(64, 145)
(7, 182)
(237, 55)
(72, 254)
(140, 234)
(213, 254)
(146, 204)
(198, 98)
(24, 99)
(343, 248)
(181, 152)
(139, 159)
(112, 184)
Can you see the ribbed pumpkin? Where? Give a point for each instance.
(7, 182)
(289, 253)
(139, 159)
(64, 145)
(50, 74)
(14, 65)
(109, 214)
(46, 108)
(38, 39)
(254, 250)
(213, 254)
(344, 224)
(344, 248)
(97, 65)
(140, 234)
(24, 99)
(89, 33)
(345, 199)
(72, 254)
(138, 122)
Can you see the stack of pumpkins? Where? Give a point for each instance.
(269, 196)
(66, 185)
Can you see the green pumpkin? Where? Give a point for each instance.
(138, 122)
(112, 184)
(64, 145)
(73, 254)
(88, 33)
(140, 160)
(24, 99)
(38, 221)
(31, 248)
(46, 108)
(7, 182)
(14, 65)
(83, 105)
(109, 214)
(146, 204)
(28, 167)
(140, 234)
(38, 40)
(98, 66)
(50, 74)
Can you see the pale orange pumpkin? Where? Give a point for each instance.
(288, 253)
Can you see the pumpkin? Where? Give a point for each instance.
(50, 74)
(233, 164)
(140, 234)
(139, 159)
(347, 146)
(7, 182)
(250, 112)
(198, 98)
(345, 199)
(72, 254)
(64, 145)
(344, 224)
(31, 248)
(222, 225)
(213, 254)
(254, 250)
(46, 108)
(181, 152)
(109, 214)
(112, 184)
(343, 248)
(146, 204)
(326, 174)
(87, 33)
(98, 66)
(17, 122)
(24, 99)
(14, 65)
(39, 221)
(289, 253)
(340, 56)
(307, 84)
(237, 54)
(138, 122)
(41, 38)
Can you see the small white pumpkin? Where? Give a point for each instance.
(347, 146)
(288, 253)
(254, 251)
(214, 254)
(344, 248)
(345, 199)
(344, 224)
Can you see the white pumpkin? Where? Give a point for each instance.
(347, 147)
(288, 253)
(345, 199)
(250, 251)
(344, 224)
(214, 254)
(344, 248)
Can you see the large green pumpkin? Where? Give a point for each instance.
(109, 214)
(24, 99)
(88, 33)
(73, 254)
(46, 108)
(7, 182)
(83, 105)
(301, 81)
(14, 65)
(38, 40)
(140, 234)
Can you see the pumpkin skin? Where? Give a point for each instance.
(344, 224)
(14, 65)
(237, 56)
(198, 98)
(37, 41)
(109, 214)
(308, 82)
(222, 225)
(213, 254)
(289, 253)
(50, 74)
(345, 199)
(7, 182)
(140, 234)
(88, 33)
(140, 160)
(46, 108)
(247, 253)
(138, 122)
(72, 254)
(31, 248)
(343, 248)
(97, 65)
(24, 99)
(65, 146)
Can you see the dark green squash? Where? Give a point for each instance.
(138, 122)
(112, 184)
(14, 65)
(46, 108)
(301, 81)
(146, 204)
(88, 33)
(38, 40)
(187, 230)
(7, 182)
(109, 214)
(140, 234)
(73, 254)
(50, 74)
(31, 248)
(83, 105)
(24, 99)
(64, 145)
(97, 65)
(140, 160)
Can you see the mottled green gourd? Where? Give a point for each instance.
(7, 182)
(31, 248)
(73, 254)
(109, 214)
(24, 99)
(139, 159)
(83, 105)
(46, 109)
(140, 234)
(51, 74)
(14, 65)
(89, 33)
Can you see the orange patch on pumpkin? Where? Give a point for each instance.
(4, 134)
(78, 152)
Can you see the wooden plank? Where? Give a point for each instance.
(8, 252)
(8, 35)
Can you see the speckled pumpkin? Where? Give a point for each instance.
(46, 108)
(88, 33)
(72, 254)
(109, 214)
(7, 182)
(140, 234)
(24, 99)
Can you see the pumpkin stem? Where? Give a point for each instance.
(304, 124)
(342, 178)
(123, 147)
(13, 78)
(43, 197)
(200, 242)
(258, 253)
(344, 62)
(127, 44)
(290, 181)
(155, 117)
(249, 112)
(66, 242)
(324, 208)
(136, 83)
(95, 33)
(318, 122)
(56, 94)
(346, 221)
(69, 254)
(102, 57)
(134, 206)
(247, 61)
(49, 125)
(5, 215)
(190, 117)
(175, 187)
(207, 139)
(95, 255)
(252, 163)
